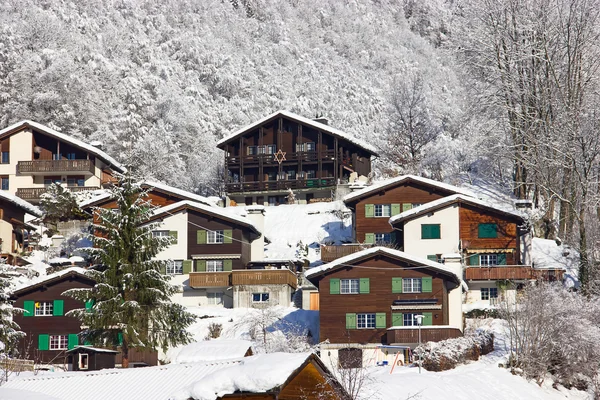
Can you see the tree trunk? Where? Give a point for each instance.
(125, 354)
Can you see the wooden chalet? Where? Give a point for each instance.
(14, 231)
(372, 297)
(287, 151)
(34, 156)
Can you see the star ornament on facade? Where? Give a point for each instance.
(280, 156)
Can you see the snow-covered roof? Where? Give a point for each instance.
(401, 179)
(68, 139)
(547, 254)
(22, 204)
(94, 349)
(173, 381)
(218, 211)
(446, 201)
(349, 259)
(212, 350)
(305, 121)
(49, 277)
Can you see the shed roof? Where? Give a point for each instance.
(20, 203)
(303, 120)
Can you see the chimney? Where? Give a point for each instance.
(256, 214)
(97, 144)
(321, 120)
(524, 204)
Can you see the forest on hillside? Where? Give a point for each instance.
(505, 89)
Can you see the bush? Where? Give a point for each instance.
(447, 354)
(214, 330)
(482, 313)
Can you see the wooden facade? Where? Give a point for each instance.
(85, 358)
(13, 230)
(381, 298)
(315, 157)
(38, 329)
(401, 195)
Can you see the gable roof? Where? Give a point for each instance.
(20, 203)
(349, 260)
(56, 276)
(303, 120)
(14, 128)
(393, 182)
(447, 201)
(218, 212)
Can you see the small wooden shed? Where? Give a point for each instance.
(87, 358)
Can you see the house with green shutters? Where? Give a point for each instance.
(372, 298)
(49, 332)
(215, 257)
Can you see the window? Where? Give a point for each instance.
(43, 308)
(411, 285)
(271, 176)
(349, 286)
(59, 342)
(260, 297)
(383, 238)
(57, 156)
(430, 231)
(252, 150)
(291, 174)
(488, 259)
(365, 321)
(214, 237)
(489, 293)
(83, 361)
(214, 265)
(383, 210)
(310, 146)
(158, 234)
(271, 149)
(75, 182)
(4, 180)
(215, 298)
(49, 180)
(261, 149)
(410, 320)
(487, 231)
(70, 156)
(311, 174)
(175, 267)
(5, 157)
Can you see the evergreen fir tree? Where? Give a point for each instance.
(9, 330)
(130, 303)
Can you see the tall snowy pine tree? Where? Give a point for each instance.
(9, 330)
(130, 303)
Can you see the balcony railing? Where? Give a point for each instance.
(244, 277)
(331, 253)
(511, 272)
(326, 155)
(55, 166)
(33, 194)
(282, 185)
(428, 334)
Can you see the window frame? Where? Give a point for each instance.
(211, 265)
(431, 238)
(263, 297)
(58, 342)
(160, 233)
(215, 298)
(489, 257)
(382, 210)
(409, 285)
(350, 283)
(366, 320)
(2, 160)
(46, 309)
(4, 183)
(215, 237)
(383, 238)
(84, 365)
(174, 267)
(408, 319)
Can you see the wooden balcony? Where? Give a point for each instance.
(33, 194)
(331, 253)
(281, 185)
(47, 167)
(305, 156)
(511, 272)
(244, 277)
(428, 334)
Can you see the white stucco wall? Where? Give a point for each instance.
(278, 295)
(21, 145)
(474, 293)
(6, 236)
(448, 219)
(371, 355)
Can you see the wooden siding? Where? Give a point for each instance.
(405, 193)
(331, 253)
(427, 335)
(47, 146)
(310, 383)
(333, 307)
(512, 272)
(470, 218)
(55, 166)
(53, 325)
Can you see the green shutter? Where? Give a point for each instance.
(430, 231)
(488, 231)
(200, 237)
(396, 285)
(350, 321)
(369, 210)
(432, 257)
(426, 284)
(380, 320)
(369, 238)
(334, 286)
(72, 341)
(187, 266)
(474, 259)
(427, 319)
(227, 235)
(406, 206)
(364, 286)
(200, 265)
(397, 319)
(29, 307)
(89, 305)
(227, 265)
(173, 234)
(395, 209)
(43, 342)
(501, 259)
(120, 339)
(436, 231)
(58, 308)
